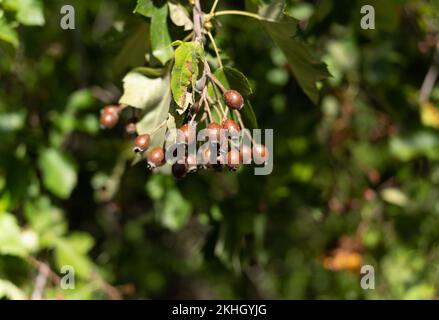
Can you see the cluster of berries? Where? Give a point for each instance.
(216, 154)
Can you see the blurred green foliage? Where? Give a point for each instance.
(362, 165)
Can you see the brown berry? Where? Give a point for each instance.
(191, 161)
(111, 109)
(130, 128)
(260, 153)
(246, 154)
(142, 142)
(231, 127)
(109, 119)
(233, 159)
(186, 134)
(155, 157)
(214, 131)
(205, 156)
(179, 170)
(233, 99)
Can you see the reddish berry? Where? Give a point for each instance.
(260, 153)
(231, 126)
(179, 170)
(191, 161)
(186, 134)
(245, 154)
(130, 128)
(109, 119)
(233, 159)
(111, 109)
(233, 99)
(142, 142)
(205, 156)
(214, 131)
(155, 157)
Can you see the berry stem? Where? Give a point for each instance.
(218, 112)
(224, 110)
(212, 11)
(220, 63)
(161, 125)
(237, 12)
(122, 106)
(206, 104)
(217, 82)
(189, 36)
(241, 124)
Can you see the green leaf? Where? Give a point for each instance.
(176, 210)
(234, 79)
(72, 251)
(10, 237)
(306, 69)
(8, 33)
(46, 219)
(160, 37)
(134, 41)
(59, 174)
(28, 12)
(141, 91)
(180, 16)
(145, 8)
(157, 113)
(80, 100)
(185, 72)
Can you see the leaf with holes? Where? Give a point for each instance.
(185, 72)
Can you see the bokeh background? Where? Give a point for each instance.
(355, 179)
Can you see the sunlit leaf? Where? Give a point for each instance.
(141, 91)
(180, 16)
(157, 113)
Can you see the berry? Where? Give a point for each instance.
(111, 109)
(260, 153)
(205, 156)
(191, 161)
(155, 157)
(142, 142)
(186, 134)
(233, 159)
(179, 170)
(130, 128)
(231, 126)
(245, 154)
(233, 99)
(214, 131)
(109, 119)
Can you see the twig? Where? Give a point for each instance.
(430, 79)
(40, 281)
(197, 17)
(52, 275)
